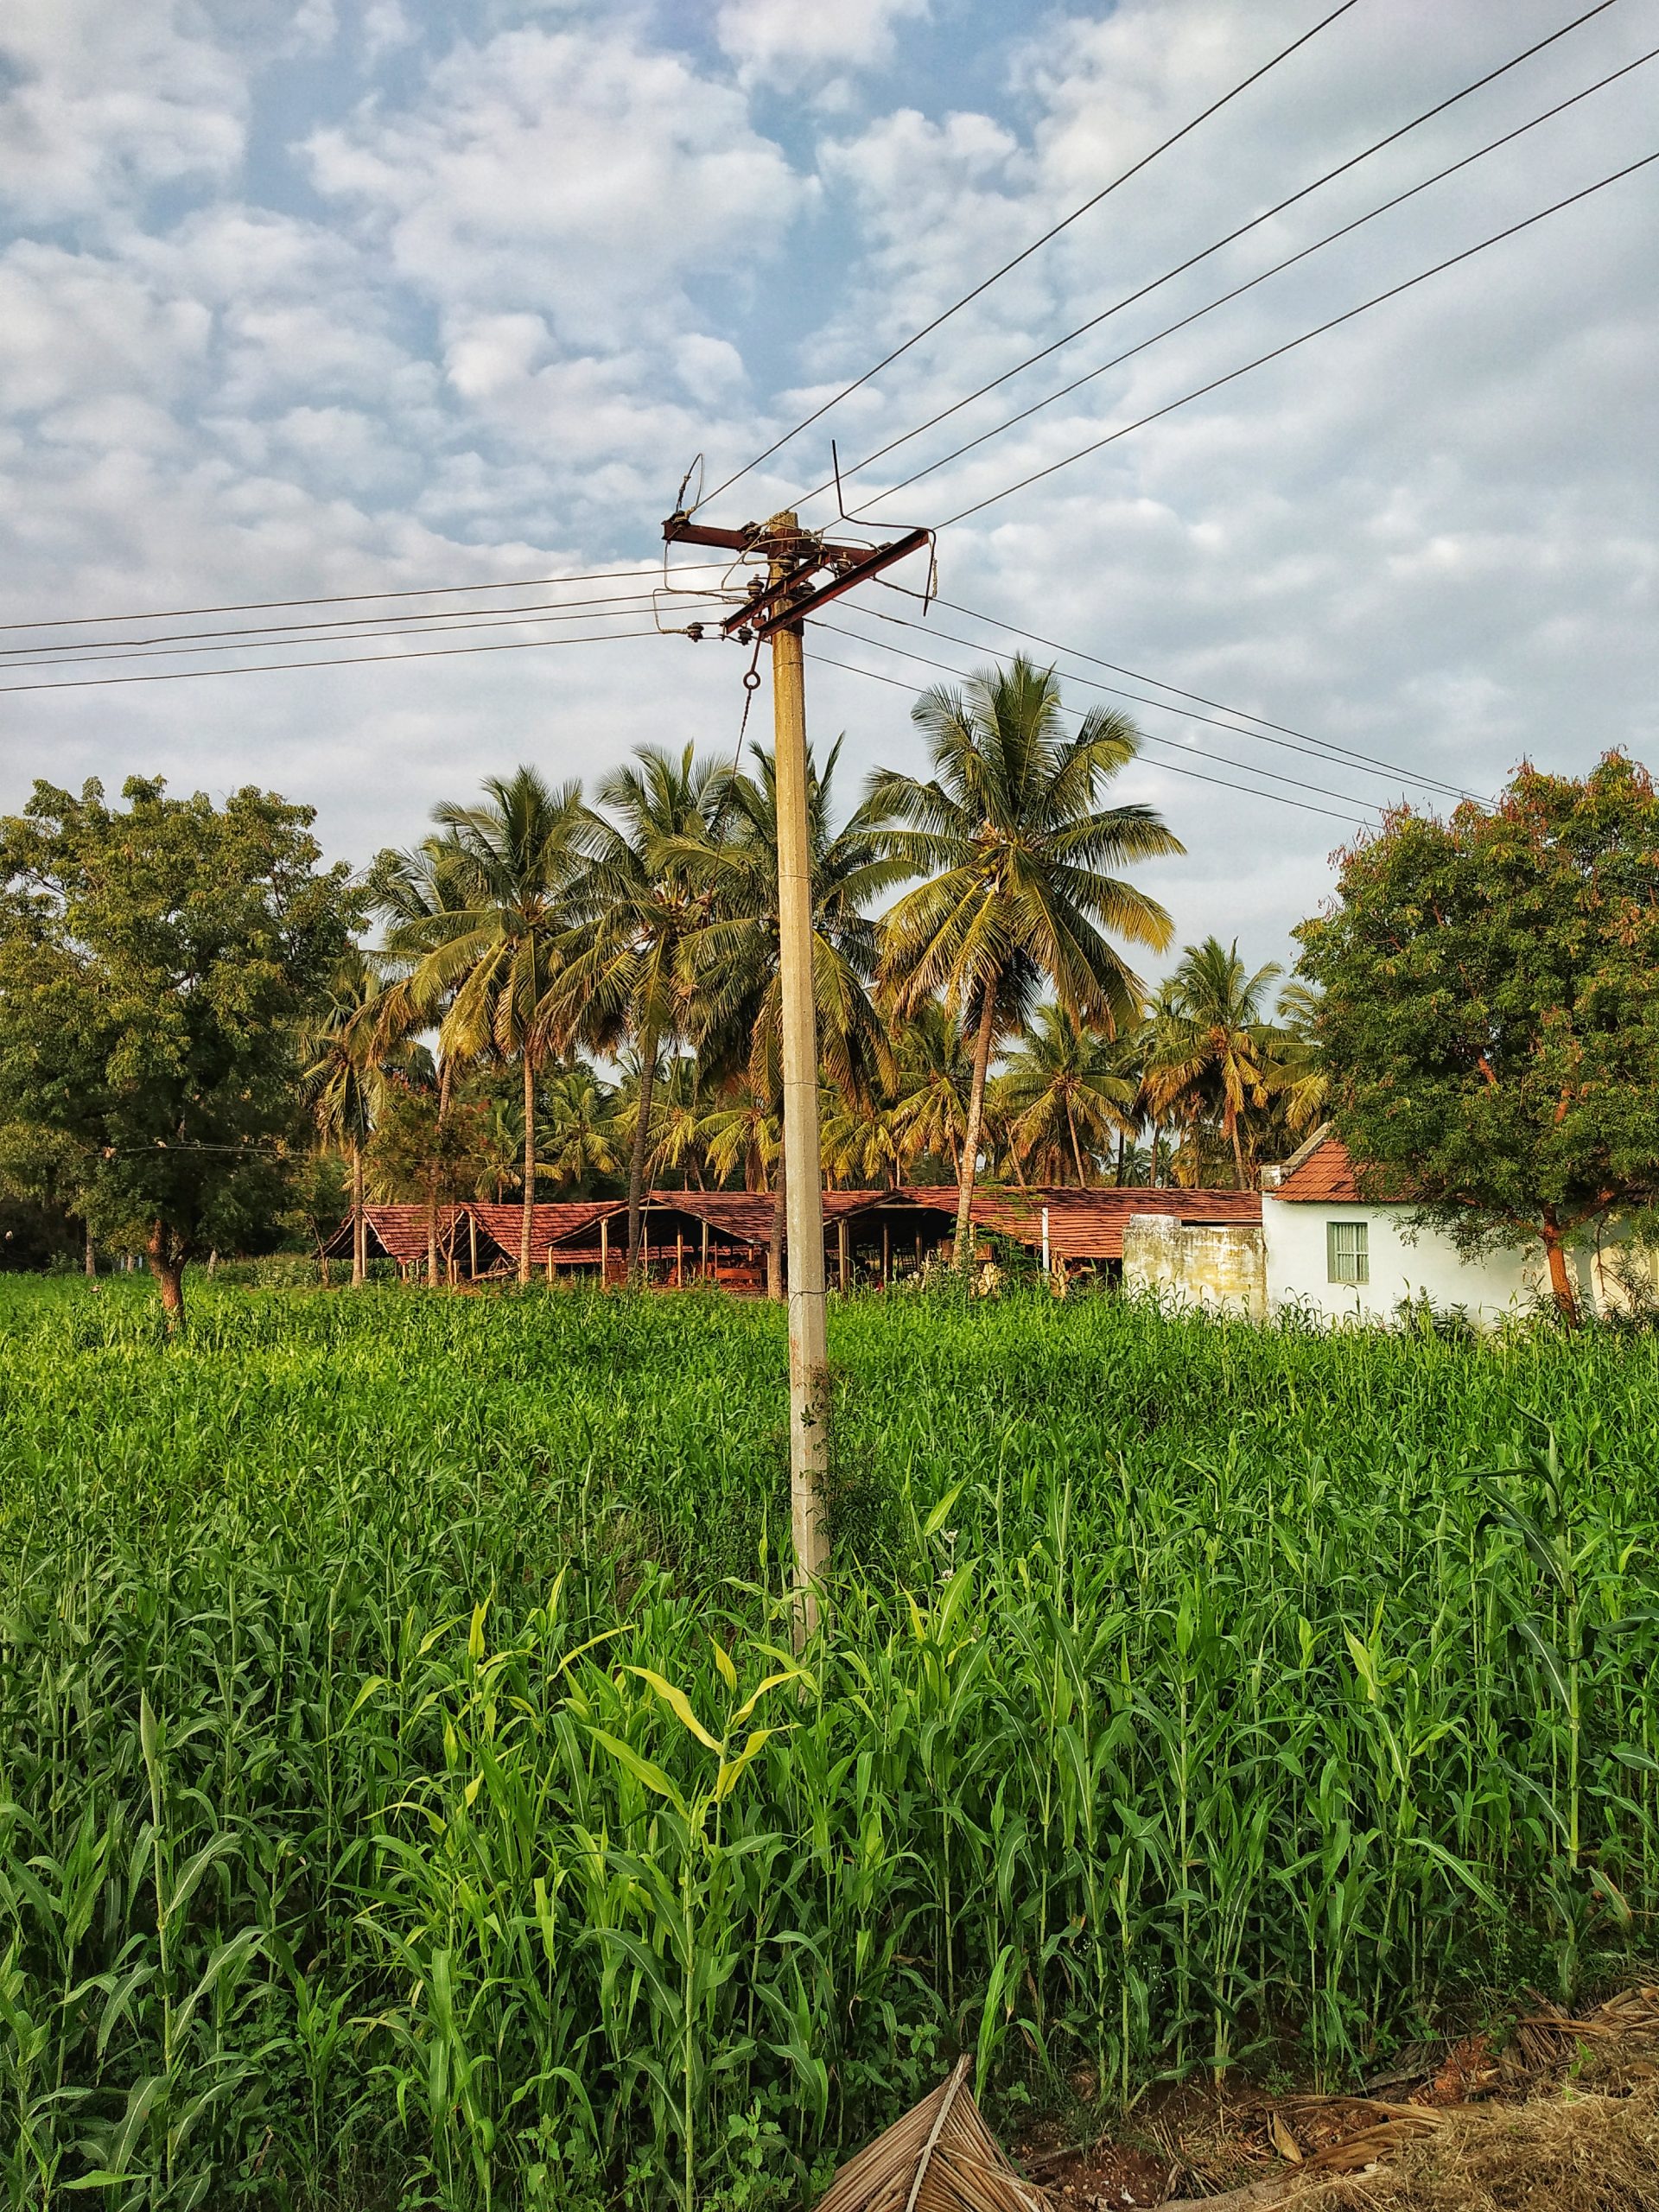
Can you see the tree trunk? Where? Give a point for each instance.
(434, 1168)
(1077, 1150)
(90, 1257)
(777, 1288)
(1238, 1158)
(359, 1225)
(637, 1157)
(1123, 1138)
(528, 1223)
(1561, 1282)
(975, 1116)
(167, 1265)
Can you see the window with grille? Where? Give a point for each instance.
(1347, 1250)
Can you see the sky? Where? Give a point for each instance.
(313, 297)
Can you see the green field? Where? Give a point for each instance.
(1186, 1699)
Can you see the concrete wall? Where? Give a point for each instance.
(1429, 1264)
(1222, 1268)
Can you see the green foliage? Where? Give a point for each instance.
(154, 965)
(1491, 1018)
(396, 1809)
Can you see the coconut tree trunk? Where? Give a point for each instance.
(528, 1223)
(90, 1257)
(777, 1288)
(1238, 1158)
(1077, 1150)
(1561, 1281)
(637, 1157)
(434, 1168)
(976, 1116)
(167, 1265)
(359, 1225)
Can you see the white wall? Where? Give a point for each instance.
(1401, 1267)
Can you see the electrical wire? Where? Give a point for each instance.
(1393, 771)
(347, 598)
(1194, 775)
(1236, 292)
(344, 660)
(1245, 767)
(300, 632)
(1026, 252)
(1290, 345)
(626, 610)
(1324, 745)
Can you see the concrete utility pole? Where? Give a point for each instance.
(809, 1377)
(776, 608)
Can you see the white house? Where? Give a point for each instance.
(1331, 1253)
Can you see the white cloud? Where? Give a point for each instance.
(570, 173)
(782, 43)
(104, 103)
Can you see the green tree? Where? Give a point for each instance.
(1014, 846)
(348, 1055)
(735, 953)
(157, 964)
(935, 1075)
(492, 953)
(1212, 1049)
(577, 1114)
(1491, 1018)
(1064, 1094)
(634, 977)
(411, 891)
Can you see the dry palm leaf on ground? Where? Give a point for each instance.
(939, 2157)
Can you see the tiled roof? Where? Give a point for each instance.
(1082, 1225)
(548, 1224)
(1323, 1176)
(399, 1231)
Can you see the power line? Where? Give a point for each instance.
(626, 610)
(1193, 775)
(1305, 747)
(1026, 252)
(1245, 767)
(1074, 652)
(1290, 345)
(300, 632)
(345, 598)
(344, 660)
(1236, 292)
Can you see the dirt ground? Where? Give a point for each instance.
(1563, 2117)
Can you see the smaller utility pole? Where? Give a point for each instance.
(778, 605)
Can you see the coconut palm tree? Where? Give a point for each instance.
(935, 1073)
(410, 890)
(735, 950)
(1211, 1051)
(579, 1126)
(1064, 1094)
(514, 869)
(633, 975)
(344, 1078)
(1014, 850)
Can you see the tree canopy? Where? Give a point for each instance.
(156, 962)
(1490, 1017)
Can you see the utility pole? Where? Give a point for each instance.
(778, 605)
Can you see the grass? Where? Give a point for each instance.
(407, 1796)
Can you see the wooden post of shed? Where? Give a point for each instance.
(841, 1254)
(887, 1252)
(472, 1233)
(550, 1263)
(679, 1259)
(703, 1271)
(604, 1250)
